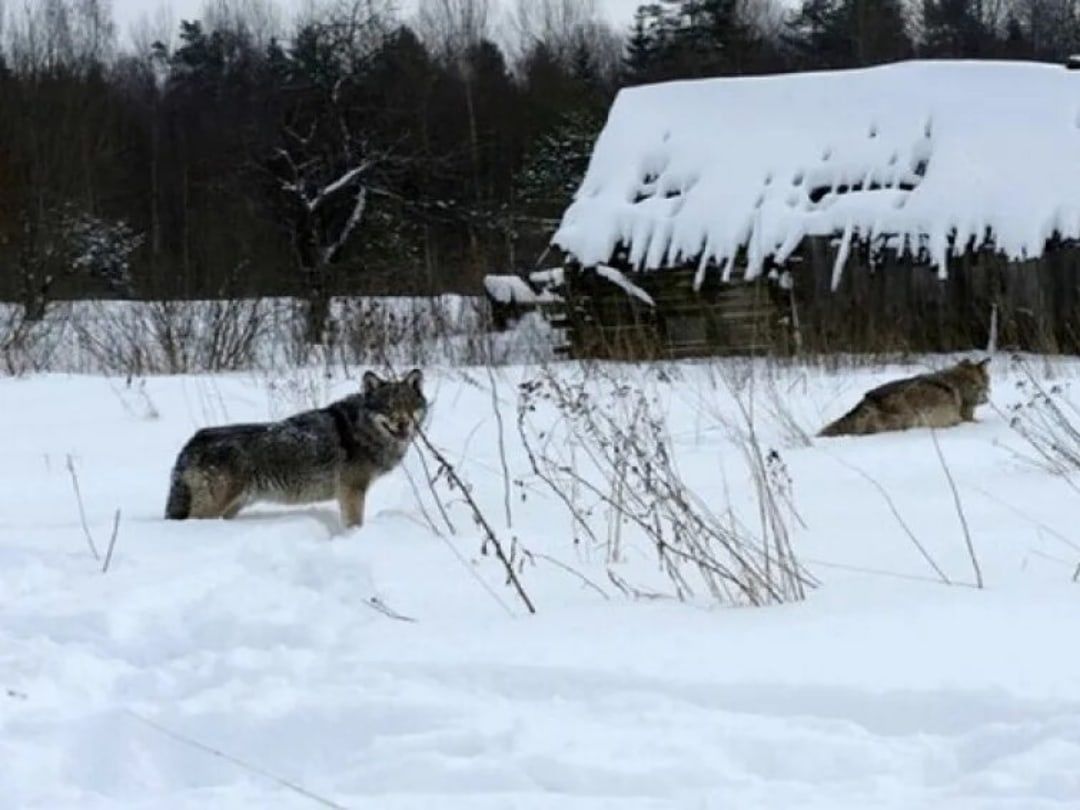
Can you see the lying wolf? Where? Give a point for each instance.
(940, 399)
(336, 451)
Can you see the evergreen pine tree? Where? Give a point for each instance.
(556, 162)
(846, 33)
(643, 45)
(953, 29)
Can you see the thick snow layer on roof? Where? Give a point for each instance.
(509, 290)
(936, 153)
(515, 290)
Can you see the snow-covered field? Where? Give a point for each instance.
(391, 666)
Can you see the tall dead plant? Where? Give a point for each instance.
(1047, 420)
(622, 469)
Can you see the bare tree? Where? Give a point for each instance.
(765, 17)
(350, 29)
(557, 24)
(326, 196)
(154, 24)
(56, 130)
(325, 166)
(260, 20)
(567, 29)
(450, 28)
(94, 31)
(151, 37)
(47, 36)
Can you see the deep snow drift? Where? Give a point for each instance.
(920, 153)
(374, 668)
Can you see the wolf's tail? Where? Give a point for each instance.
(849, 423)
(178, 507)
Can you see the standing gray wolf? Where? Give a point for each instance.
(939, 399)
(336, 451)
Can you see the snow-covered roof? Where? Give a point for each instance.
(509, 290)
(924, 151)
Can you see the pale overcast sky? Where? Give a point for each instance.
(127, 12)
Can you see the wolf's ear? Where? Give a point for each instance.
(415, 378)
(372, 382)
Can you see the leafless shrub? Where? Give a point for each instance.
(772, 482)
(1047, 420)
(172, 337)
(29, 344)
(375, 330)
(1049, 423)
(509, 558)
(448, 488)
(214, 336)
(137, 338)
(624, 467)
(456, 330)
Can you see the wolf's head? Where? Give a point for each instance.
(397, 407)
(973, 380)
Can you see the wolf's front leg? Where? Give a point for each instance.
(351, 501)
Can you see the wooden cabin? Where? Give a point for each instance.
(906, 207)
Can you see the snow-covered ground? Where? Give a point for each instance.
(391, 666)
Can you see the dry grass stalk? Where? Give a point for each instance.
(959, 510)
(490, 537)
(82, 510)
(112, 542)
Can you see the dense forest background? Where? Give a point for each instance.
(351, 149)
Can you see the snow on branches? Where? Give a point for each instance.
(101, 248)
